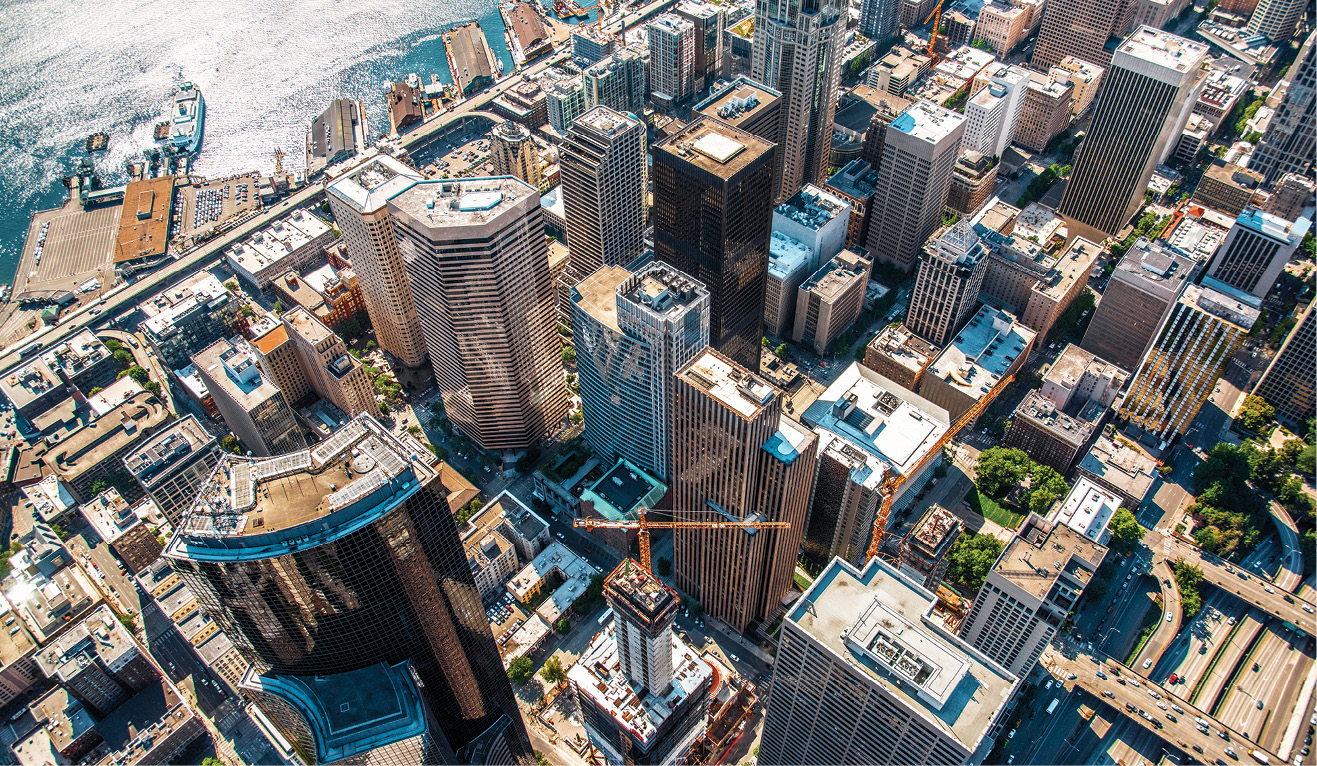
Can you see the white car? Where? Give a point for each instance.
(1308, 609)
(1268, 589)
(1147, 663)
(733, 658)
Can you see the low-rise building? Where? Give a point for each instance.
(621, 494)
(81, 362)
(98, 662)
(990, 347)
(855, 183)
(830, 300)
(171, 465)
(1044, 114)
(924, 550)
(96, 451)
(499, 538)
(66, 733)
(1083, 75)
(1118, 465)
(18, 668)
(973, 178)
(48, 604)
(171, 596)
(1227, 188)
(184, 319)
(52, 503)
(559, 485)
(1220, 91)
(288, 244)
(1048, 434)
(556, 568)
(331, 295)
(1087, 509)
(194, 388)
(120, 527)
(153, 726)
(251, 404)
(899, 355)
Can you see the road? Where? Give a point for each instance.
(1291, 559)
(1166, 630)
(126, 298)
(1275, 685)
(1131, 697)
(1253, 588)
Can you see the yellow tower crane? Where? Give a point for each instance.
(644, 525)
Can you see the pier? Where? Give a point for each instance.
(469, 57)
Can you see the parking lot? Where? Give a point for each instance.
(472, 155)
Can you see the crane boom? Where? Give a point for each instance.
(893, 483)
(932, 38)
(644, 525)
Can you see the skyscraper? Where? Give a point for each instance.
(797, 51)
(358, 200)
(1191, 351)
(619, 82)
(478, 262)
(1291, 137)
(736, 456)
(712, 208)
(334, 373)
(1080, 28)
(603, 190)
(880, 19)
(1256, 250)
(919, 151)
(1288, 382)
(866, 674)
(671, 58)
(947, 283)
(253, 407)
(992, 113)
(643, 691)
(1276, 19)
(633, 332)
(709, 20)
(1145, 101)
(334, 559)
(514, 152)
(1139, 294)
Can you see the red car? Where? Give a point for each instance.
(1174, 678)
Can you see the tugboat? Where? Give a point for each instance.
(97, 142)
(187, 120)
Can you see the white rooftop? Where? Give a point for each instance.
(717, 147)
(741, 392)
(927, 121)
(982, 351)
(787, 255)
(369, 185)
(1087, 510)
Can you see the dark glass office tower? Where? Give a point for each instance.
(337, 558)
(712, 220)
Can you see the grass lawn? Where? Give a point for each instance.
(802, 581)
(992, 510)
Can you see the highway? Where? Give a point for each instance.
(1165, 632)
(1275, 684)
(1119, 690)
(1291, 559)
(1251, 588)
(127, 297)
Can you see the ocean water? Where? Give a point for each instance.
(69, 69)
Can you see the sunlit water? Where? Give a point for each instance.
(71, 68)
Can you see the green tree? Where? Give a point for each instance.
(99, 486)
(278, 307)
(211, 761)
(1126, 532)
(246, 311)
(540, 760)
(414, 429)
(152, 387)
(1188, 578)
(1047, 487)
(782, 351)
(568, 355)
(95, 390)
(971, 558)
(521, 670)
(124, 358)
(552, 671)
(384, 409)
(664, 567)
(1256, 414)
(562, 626)
(1000, 468)
(577, 417)
(231, 286)
(1306, 462)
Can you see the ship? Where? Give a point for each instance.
(97, 142)
(568, 9)
(187, 120)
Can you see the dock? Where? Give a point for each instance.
(527, 36)
(470, 58)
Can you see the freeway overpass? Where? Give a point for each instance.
(1251, 588)
(1126, 693)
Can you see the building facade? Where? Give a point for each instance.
(172, 464)
(514, 153)
(478, 261)
(1291, 138)
(1139, 294)
(947, 284)
(252, 406)
(671, 58)
(1256, 250)
(1288, 382)
(603, 190)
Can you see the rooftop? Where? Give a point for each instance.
(1074, 363)
(623, 491)
(787, 255)
(983, 351)
(933, 528)
(897, 343)
(959, 244)
(1044, 413)
(740, 103)
(596, 295)
(354, 712)
(280, 240)
(715, 147)
(880, 416)
(857, 178)
(728, 383)
(16, 641)
(880, 624)
(658, 289)
(927, 122)
(1041, 551)
(466, 202)
(145, 721)
(1122, 465)
(117, 429)
(1153, 268)
(162, 450)
(251, 507)
(1163, 49)
(1223, 302)
(144, 222)
(99, 635)
(554, 558)
(109, 514)
(1274, 226)
(837, 275)
(606, 121)
(1075, 263)
(165, 308)
(997, 216)
(370, 184)
(1087, 510)
(598, 675)
(233, 367)
(812, 207)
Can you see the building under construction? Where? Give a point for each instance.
(924, 550)
(729, 717)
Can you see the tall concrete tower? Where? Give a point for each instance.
(671, 58)
(643, 612)
(1080, 28)
(947, 286)
(797, 51)
(479, 265)
(919, 152)
(514, 153)
(633, 332)
(1146, 99)
(603, 189)
(359, 200)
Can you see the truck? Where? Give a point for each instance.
(1259, 756)
(1055, 701)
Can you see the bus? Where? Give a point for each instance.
(603, 618)
(1055, 701)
